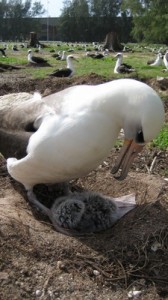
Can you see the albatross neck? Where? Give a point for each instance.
(70, 64)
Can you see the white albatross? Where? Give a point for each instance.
(35, 59)
(156, 62)
(69, 71)
(77, 127)
(75, 130)
(165, 60)
(121, 67)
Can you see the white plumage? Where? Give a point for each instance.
(165, 60)
(121, 67)
(35, 59)
(158, 61)
(79, 133)
(69, 71)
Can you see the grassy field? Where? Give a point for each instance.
(86, 65)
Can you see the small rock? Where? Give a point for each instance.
(134, 294)
(155, 246)
(96, 273)
(38, 293)
(61, 265)
(4, 275)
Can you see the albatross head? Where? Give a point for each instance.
(118, 55)
(29, 54)
(71, 58)
(143, 117)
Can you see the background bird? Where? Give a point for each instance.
(69, 71)
(156, 62)
(121, 67)
(165, 60)
(35, 59)
(2, 50)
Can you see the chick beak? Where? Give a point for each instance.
(129, 151)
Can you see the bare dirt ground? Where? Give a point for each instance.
(36, 262)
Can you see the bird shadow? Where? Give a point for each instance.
(41, 65)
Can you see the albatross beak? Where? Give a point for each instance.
(128, 152)
(74, 58)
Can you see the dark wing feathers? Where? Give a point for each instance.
(39, 60)
(61, 73)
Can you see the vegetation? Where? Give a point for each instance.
(150, 19)
(16, 18)
(162, 140)
(138, 59)
(145, 19)
(89, 20)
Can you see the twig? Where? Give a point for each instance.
(124, 272)
(152, 164)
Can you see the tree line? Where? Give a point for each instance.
(17, 18)
(90, 20)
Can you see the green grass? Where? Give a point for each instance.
(87, 65)
(162, 140)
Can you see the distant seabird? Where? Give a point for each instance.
(90, 54)
(121, 67)
(76, 128)
(38, 50)
(98, 55)
(156, 62)
(15, 48)
(165, 60)
(95, 55)
(57, 55)
(68, 71)
(35, 59)
(63, 56)
(2, 50)
(106, 52)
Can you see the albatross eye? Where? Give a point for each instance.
(139, 137)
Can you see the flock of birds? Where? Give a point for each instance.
(68, 71)
(120, 66)
(66, 135)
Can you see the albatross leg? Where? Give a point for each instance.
(62, 187)
(33, 199)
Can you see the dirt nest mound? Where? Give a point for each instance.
(39, 263)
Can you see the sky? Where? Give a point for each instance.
(53, 6)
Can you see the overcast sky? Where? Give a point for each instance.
(53, 6)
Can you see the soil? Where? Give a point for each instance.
(132, 257)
